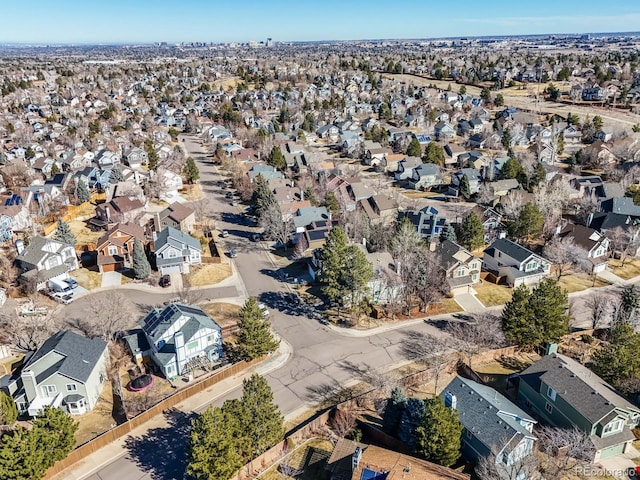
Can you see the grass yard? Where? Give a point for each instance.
(630, 270)
(192, 193)
(208, 274)
(580, 281)
(446, 305)
(84, 235)
(86, 278)
(97, 421)
(491, 294)
(311, 457)
(413, 194)
(496, 372)
(225, 314)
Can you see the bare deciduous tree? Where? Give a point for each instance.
(600, 307)
(28, 333)
(343, 421)
(564, 449)
(432, 351)
(483, 331)
(276, 227)
(107, 316)
(563, 253)
(490, 467)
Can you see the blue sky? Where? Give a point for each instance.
(132, 21)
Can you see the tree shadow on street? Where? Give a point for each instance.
(162, 452)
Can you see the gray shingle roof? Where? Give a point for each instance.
(489, 415)
(577, 385)
(176, 239)
(79, 355)
(158, 321)
(35, 251)
(512, 249)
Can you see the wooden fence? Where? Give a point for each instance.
(81, 452)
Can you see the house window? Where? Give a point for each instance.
(48, 390)
(113, 250)
(172, 254)
(72, 387)
(170, 369)
(469, 435)
(461, 272)
(211, 338)
(22, 406)
(613, 426)
(548, 407)
(551, 393)
(192, 345)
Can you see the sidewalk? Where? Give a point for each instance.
(197, 403)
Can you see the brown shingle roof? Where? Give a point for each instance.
(176, 211)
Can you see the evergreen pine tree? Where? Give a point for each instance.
(410, 420)
(141, 266)
(262, 421)
(56, 431)
(448, 233)
(438, 435)
(152, 155)
(82, 192)
(276, 159)
(465, 188)
(393, 411)
(191, 171)
(63, 233)
(262, 199)
(471, 232)
(254, 338)
(8, 410)
(414, 149)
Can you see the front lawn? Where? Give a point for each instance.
(86, 278)
(491, 294)
(630, 270)
(208, 274)
(576, 282)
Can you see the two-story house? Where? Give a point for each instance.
(404, 170)
(115, 248)
(461, 267)
(379, 209)
(425, 176)
(518, 264)
(176, 251)
(118, 210)
(176, 215)
(593, 242)
(567, 394)
(473, 176)
(67, 371)
(135, 157)
(492, 424)
(428, 222)
(45, 259)
(177, 338)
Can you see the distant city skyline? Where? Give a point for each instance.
(222, 21)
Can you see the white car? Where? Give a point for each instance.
(265, 310)
(62, 297)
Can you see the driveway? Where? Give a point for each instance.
(611, 277)
(469, 302)
(111, 279)
(617, 466)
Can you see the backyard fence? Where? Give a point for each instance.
(81, 452)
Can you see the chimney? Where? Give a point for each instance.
(551, 348)
(355, 458)
(29, 385)
(181, 357)
(450, 400)
(107, 212)
(19, 246)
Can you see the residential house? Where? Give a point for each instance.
(176, 251)
(177, 339)
(15, 209)
(452, 154)
(567, 394)
(385, 285)
(135, 157)
(358, 461)
(118, 210)
(45, 259)
(428, 222)
(266, 171)
(93, 177)
(67, 371)
(171, 183)
(444, 131)
(461, 267)
(115, 248)
(492, 424)
(176, 215)
(307, 215)
(379, 209)
(106, 159)
(516, 263)
(593, 242)
(405, 168)
(425, 176)
(315, 235)
(474, 177)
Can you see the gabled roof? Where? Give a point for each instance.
(40, 248)
(130, 229)
(584, 237)
(582, 389)
(176, 211)
(79, 355)
(487, 414)
(158, 321)
(512, 249)
(175, 238)
(451, 254)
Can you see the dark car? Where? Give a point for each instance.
(71, 282)
(165, 281)
(228, 195)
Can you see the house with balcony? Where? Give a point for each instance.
(519, 265)
(567, 394)
(177, 339)
(67, 371)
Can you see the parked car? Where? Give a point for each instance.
(224, 234)
(233, 253)
(62, 297)
(265, 310)
(71, 282)
(165, 281)
(256, 237)
(234, 203)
